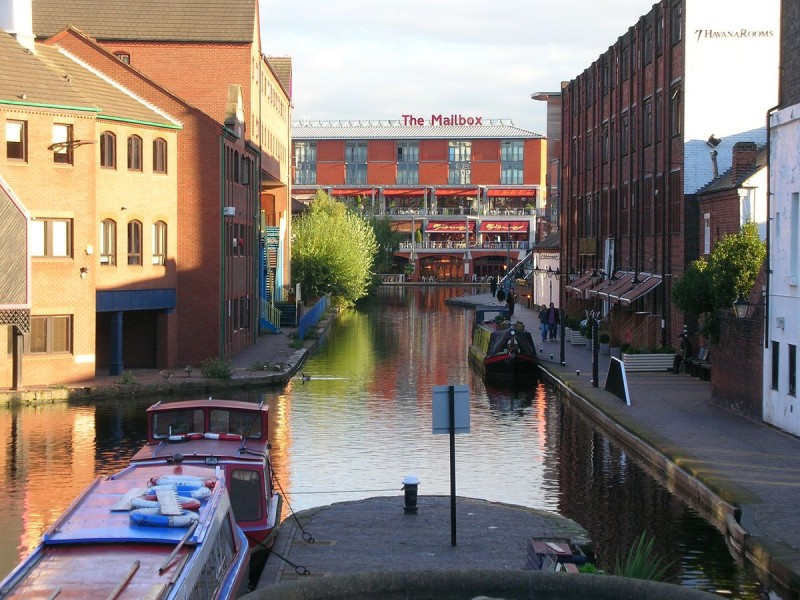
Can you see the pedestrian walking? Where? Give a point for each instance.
(493, 285)
(683, 354)
(544, 327)
(553, 321)
(501, 294)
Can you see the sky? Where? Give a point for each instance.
(362, 59)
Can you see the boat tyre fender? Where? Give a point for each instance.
(152, 517)
(196, 493)
(228, 437)
(190, 481)
(151, 501)
(185, 437)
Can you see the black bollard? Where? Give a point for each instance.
(410, 485)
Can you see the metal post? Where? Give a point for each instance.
(452, 395)
(563, 331)
(595, 351)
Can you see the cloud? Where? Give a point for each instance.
(354, 59)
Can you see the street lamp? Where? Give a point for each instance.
(740, 308)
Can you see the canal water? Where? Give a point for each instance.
(361, 421)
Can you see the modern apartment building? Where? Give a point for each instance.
(645, 126)
(464, 189)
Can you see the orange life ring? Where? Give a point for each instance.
(230, 437)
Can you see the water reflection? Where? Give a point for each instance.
(363, 421)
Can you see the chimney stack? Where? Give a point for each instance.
(744, 160)
(16, 17)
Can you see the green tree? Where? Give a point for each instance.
(388, 242)
(333, 250)
(729, 273)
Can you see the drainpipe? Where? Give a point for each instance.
(223, 246)
(768, 257)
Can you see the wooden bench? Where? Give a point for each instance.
(700, 365)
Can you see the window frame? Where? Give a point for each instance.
(135, 152)
(49, 322)
(49, 239)
(108, 243)
(23, 141)
(62, 148)
(135, 231)
(108, 151)
(159, 246)
(160, 156)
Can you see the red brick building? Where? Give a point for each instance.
(205, 61)
(639, 128)
(465, 190)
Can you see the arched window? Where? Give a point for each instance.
(134, 153)
(159, 243)
(159, 155)
(108, 150)
(134, 243)
(108, 242)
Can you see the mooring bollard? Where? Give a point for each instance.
(410, 485)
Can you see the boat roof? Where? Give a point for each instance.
(245, 451)
(209, 403)
(92, 517)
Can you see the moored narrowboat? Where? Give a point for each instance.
(501, 350)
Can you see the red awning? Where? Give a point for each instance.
(639, 290)
(404, 226)
(603, 288)
(510, 193)
(351, 192)
(505, 227)
(442, 192)
(580, 285)
(448, 226)
(404, 192)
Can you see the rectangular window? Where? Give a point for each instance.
(633, 129)
(407, 163)
(17, 140)
(792, 370)
(460, 163)
(624, 63)
(707, 233)
(51, 237)
(658, 116)
(62, 144)
(159, 243)
(355, 156)
(305, 160)
(675, 112)
(776, 363)
(511, 162)
(50, 335)
(624, 135)
(108, 242)
(647, 122)
(675, 202)
(159, 156)
(659, 34)
(676, 24)
(648, 45)
(605, 145)
(134, 243)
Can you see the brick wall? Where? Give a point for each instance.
(790, 53)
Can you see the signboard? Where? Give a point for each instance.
(441, 408)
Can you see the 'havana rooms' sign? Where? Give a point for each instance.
(442, 120)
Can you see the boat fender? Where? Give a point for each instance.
(151, 501)
(228, 437)
(185, 437)
(151, 517)
(192, 481)
(196, 493)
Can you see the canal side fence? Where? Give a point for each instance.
(310, 318)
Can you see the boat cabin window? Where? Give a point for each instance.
(177, 422)
(246, 492)
(246, 424)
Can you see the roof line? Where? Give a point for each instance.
(140, 122)
(46, 105)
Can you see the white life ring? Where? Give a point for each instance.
(197, 493)
(185, 437)
(150, 501)
(186, 480)
(152, 517)
(228, 437)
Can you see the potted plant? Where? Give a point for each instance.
(605, 341)
(648, 359)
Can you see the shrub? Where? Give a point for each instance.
(605, 338)
(127, 378)
(642, 562)
(215, 368)
(259, 366)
